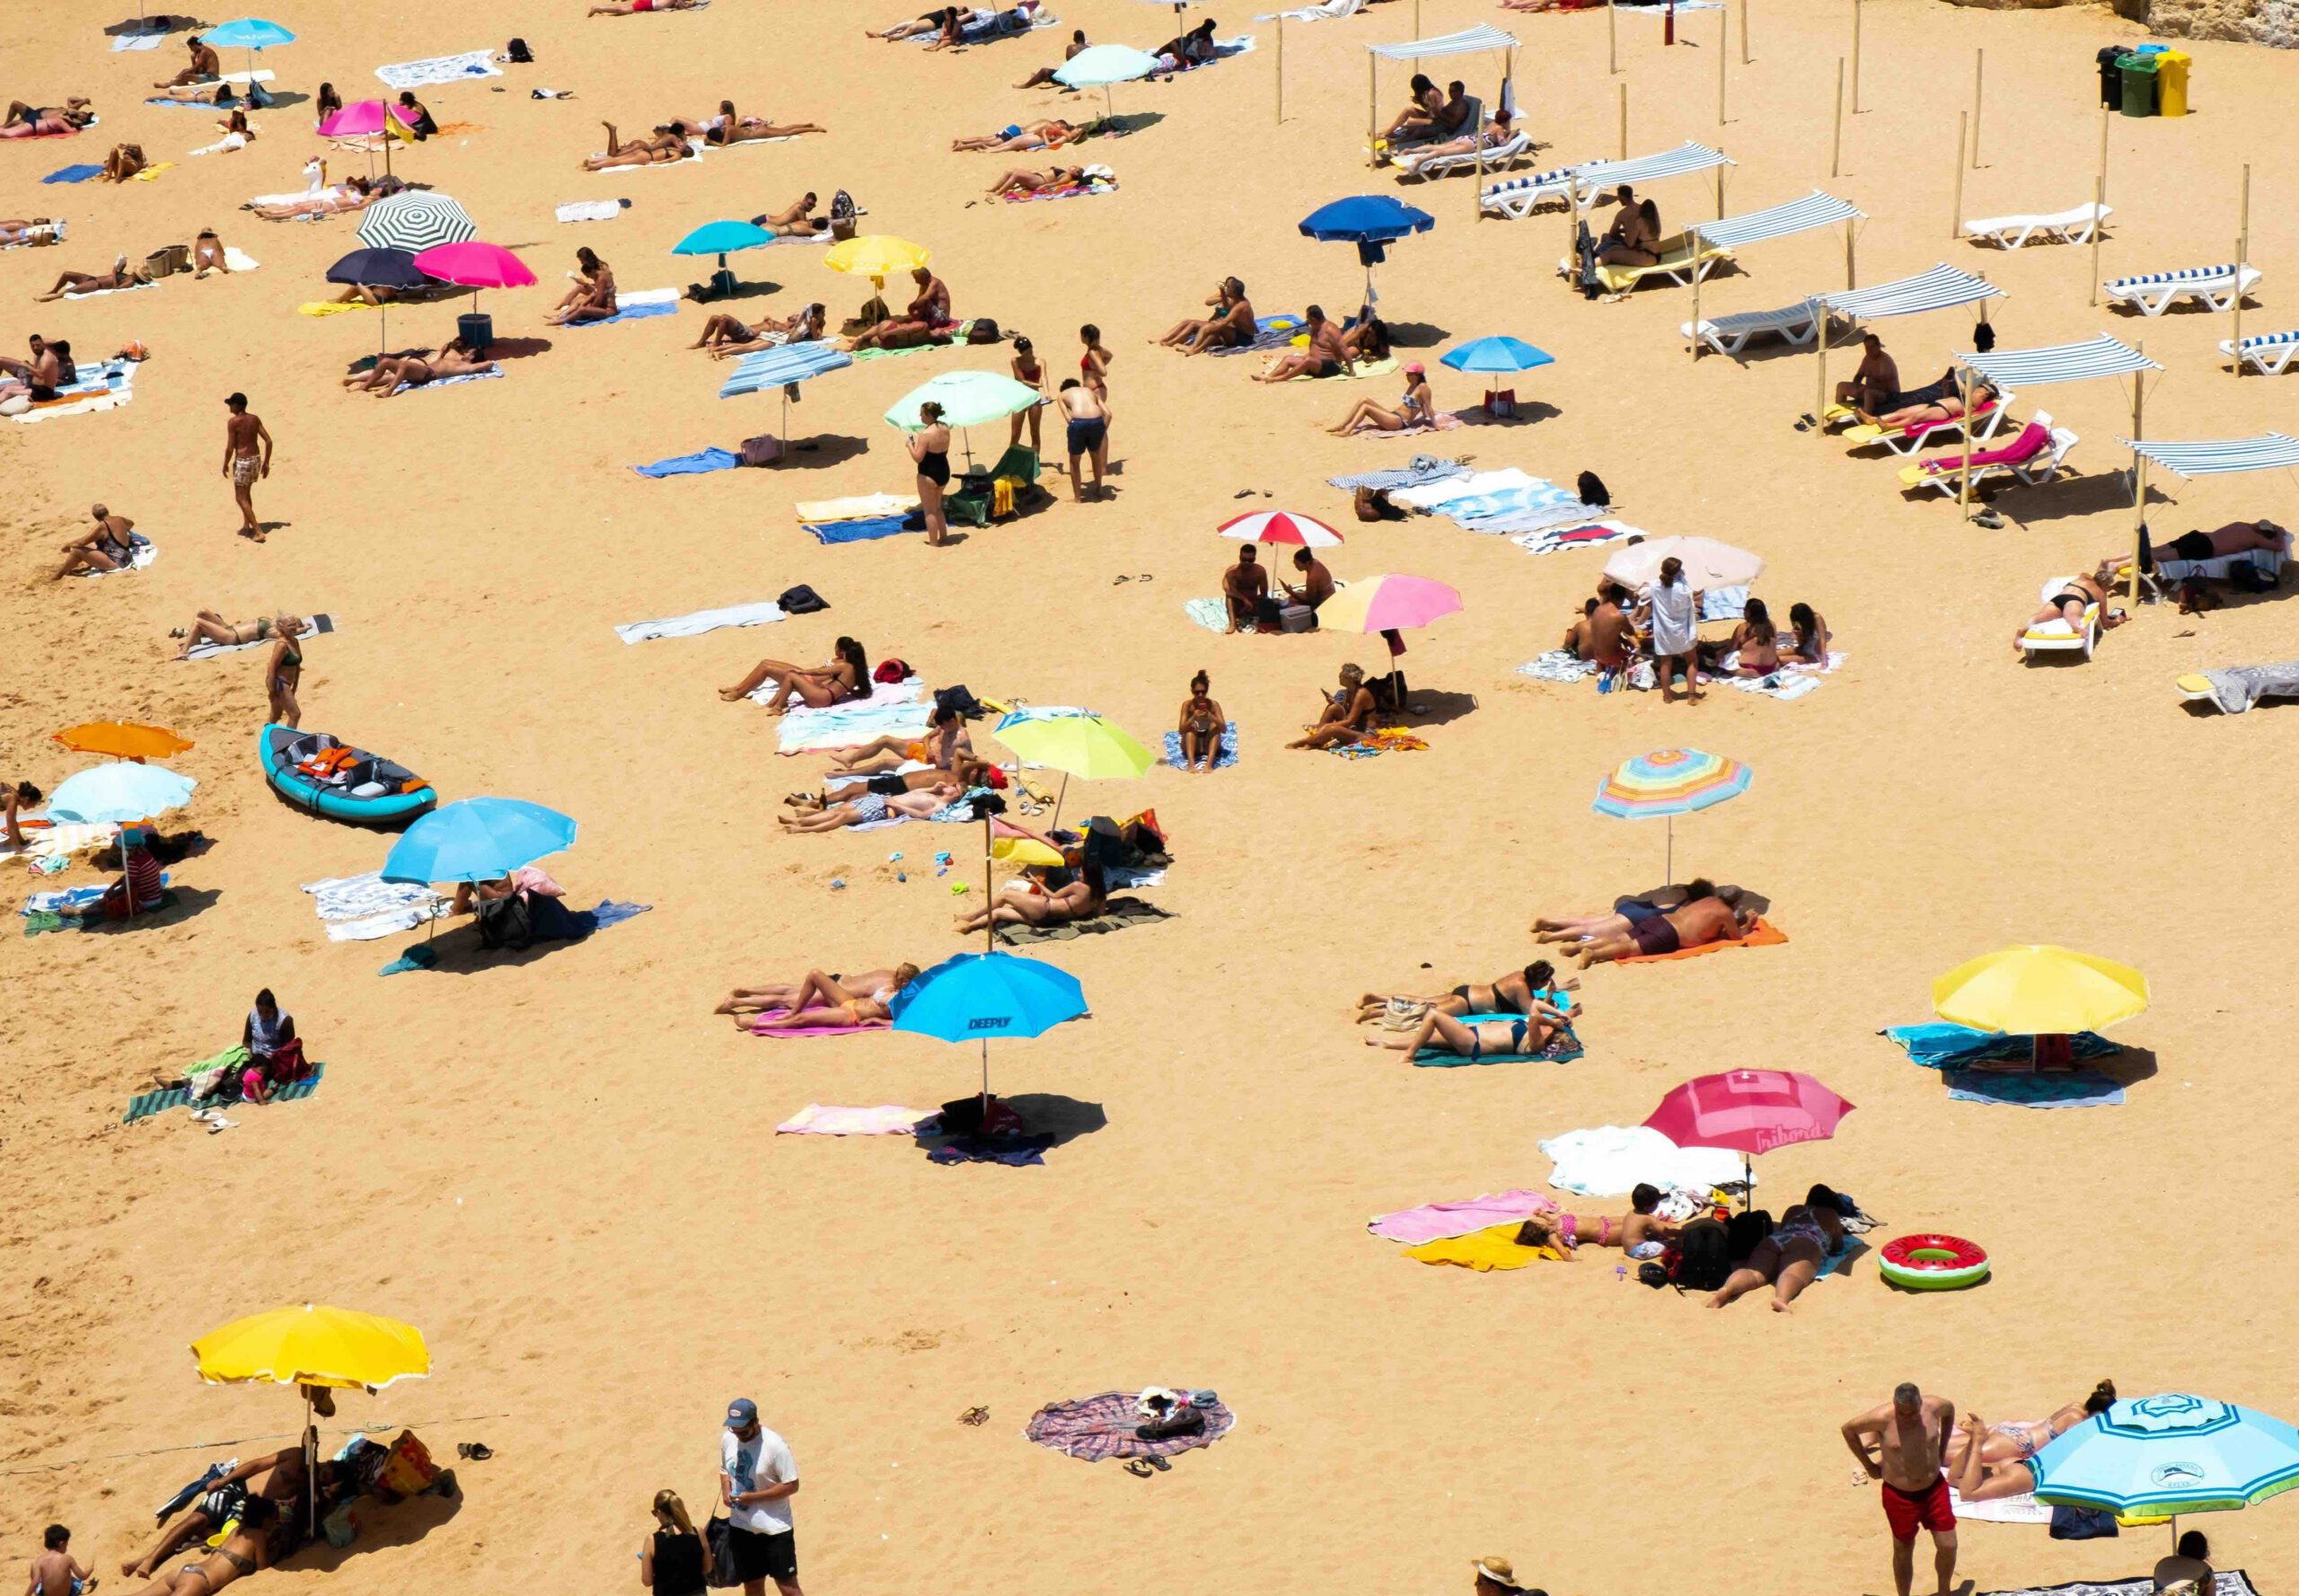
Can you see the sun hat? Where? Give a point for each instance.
(1499, 1570)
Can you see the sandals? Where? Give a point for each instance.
(476, 1451)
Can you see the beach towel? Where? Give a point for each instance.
(701, 622)
(802, 1033)
(1423, 472)
(105, 385)
(865, 529)
(331, 307)
(1068, 191)
(1561, 1048)
(2006, 1509)
(1381, 739)
(364, 907)
(957, 333)
(1611, 1160)
(137, 41)
(1789, 681)
(1940, 1046)
(1270, 333)
(857, 507)
(1766, 935)
(1212, 614)
(1004, 24)
(2225, 1582)
(101, 293)
(1558, 538)
(691, 465)
(469, 376)
(1222, 761)
(59, 840)
(1223, 48)
(893, 709)
(1328, 11)
(1558, 664)
(592, 210)
(1451, 482)
(1120, 913)
(634, 308)
(439, 69)
(69, 900)
(607, 915)
(1440, 1221)
(1363, 369)
(146, 1105)
(1108, 1426)
(2060, 1088)
(1484, 1250)
(313, 626)
(141, 552)
(73, 174)
(815, 1119)
(1015, 1151)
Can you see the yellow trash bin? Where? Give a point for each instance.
(2171, 83)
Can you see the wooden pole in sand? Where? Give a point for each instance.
(1476, 191)
(1612, 39)
(1692, 236)
(2243, 251)
(2138, 473)
(2099, 203)
(1719, 189)
(1280, 69)
(1724, 48)
(1744, 32)
(1851, 274)
(1835, 138)
(1855, 57)
(1623, 121)
(1979, 79)
(1372, 108)
(1964, 487)
(2104, 114)
(1821, 398)
(1956, 212)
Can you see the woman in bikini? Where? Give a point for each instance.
(1634, 237)
(1028, 902)
(1416, 409)
(1499, 1037)
(1932, 404)
(253, 1545)
(1640, 1227)
(941, 749)
(2076, 595)
(752, 129)
(90, 282)
(1533, 991)
(929, 448)
(1037, 136)
(1230, 326)
(389, 372)
(1030, 372)
(355, 195)
(593, 296)
(2015, 1440)
(1755, 641)
(125, 162)
(1348, 716)
(873, 806)
(1789, 1259)
(284, 674)
(1202, 726)
(727, 337)
(784, 994)
(821, 1001)
(664, 149)
(1030, 183)
(845, 675)
(212, 628)
(208, 254)
(1811, 644)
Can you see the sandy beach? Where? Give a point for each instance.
(563, 1167)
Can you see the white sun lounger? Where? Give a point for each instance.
(1507, 153)
(1729, 335)
(2268, 561)
(1914, 440)
(2034, 471)
(2066, 227)
(2155, 292)
(1515, 197)
(2058, 637)
(2268, 353)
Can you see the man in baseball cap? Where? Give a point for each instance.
(757, 1478)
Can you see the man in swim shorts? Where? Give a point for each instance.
(1900, 1444)
(1326, 355)
(246, 456)
(1695, 923)
(1088, 416)
(1875, 383)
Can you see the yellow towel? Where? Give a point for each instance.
(1494, 1248)
(1676, 255)
(151, 172)
(332, 307)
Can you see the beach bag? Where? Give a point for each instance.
(1703, 1262)
(287, 1063)
(891, 670)
(983, 330)
(518, 51)
(720, 1534)
(506, 922)
(1745, 1232)
(167, 261)
(1983, 337)
(801, 600)
(2069, 1522)
(762, 450)
(842, 213)
(1592, 489)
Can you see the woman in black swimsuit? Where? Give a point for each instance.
(1533, 991)
(930, 446)
(285, 672)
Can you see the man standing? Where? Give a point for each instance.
(1316, 584)
(1910, 1434)
(1674, 606)
(1244, 587)
(757, 1477)
(246, 456)
(1088, 414)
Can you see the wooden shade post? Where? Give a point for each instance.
(1956, 211)
(2242, 252)
(1851, 274)
(1280, 69)
(1980, 80)
(1691, 235)
(2099, 203)
(1612, 41)
(1623, 121)
(1964, 487)
(1744, 32)
(2138, 473)
(1835, 138)
(1855, 57)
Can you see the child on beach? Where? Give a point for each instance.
(56, 1572)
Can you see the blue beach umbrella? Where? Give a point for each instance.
(1098, 65)
(478, 839)
(1372, 222)
(975, 996)
(721, 239)
(1498, 354)
(250, 34)
(118, 793)
(2158, 1457)
(784, 368)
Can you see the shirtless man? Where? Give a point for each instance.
(1910, 1433)
(1626, 911)
(1316, 584)
(220, 1500)
(105, 547)
(1692, 924)
(1601, 634)
(39, 377)
(1045, 74)
(2237, 537)
(1326, 355)
(203, 67)
(1231, 325)
(1875, 384)
(1243, 587)
(246, 456)
(1569, 1232)
(1087, 415)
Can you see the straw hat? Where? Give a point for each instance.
(1499, 1570)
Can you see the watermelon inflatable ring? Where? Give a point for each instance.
(1934, 1263)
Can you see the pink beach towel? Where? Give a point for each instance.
(2034, 440)
(816, 1119)
(814, 1030)
(1439, 1221)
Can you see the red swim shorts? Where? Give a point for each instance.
(1909, 1510)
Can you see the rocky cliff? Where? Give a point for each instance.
(2248, 21)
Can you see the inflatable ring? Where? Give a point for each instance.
(1933, 1262)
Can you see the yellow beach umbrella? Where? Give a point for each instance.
(1025, 851)
(2040, 991)
(123, 739)
(876, 256)
(1085, 745)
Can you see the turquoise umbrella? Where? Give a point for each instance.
(967, 398)
(721, 239)
(975, 996)
(116, 794)
(477, 839)
(2158, 1457)
(250, 34)
(1499, 354)
(1099, 65)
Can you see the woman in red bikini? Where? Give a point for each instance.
(1569, 1232)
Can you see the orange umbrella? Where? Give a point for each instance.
(123, 739)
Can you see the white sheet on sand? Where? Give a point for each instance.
(1609, 1160)
(99, 293)
(143, 552)
(440, 69)
(1325, 12)
(2008, 1509)
(592, 210)
(701, 622)
(313, 625)
(62, 839)
(893, 709)
(1429, 495)
(362, 908)
(137, 41)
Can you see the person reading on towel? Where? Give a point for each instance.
(125, 162)
(821, 1002)
(1628, 912)
(392, 372)
(107, 546)
(1348, 715)
(203, 66)
(1201, 726)
(593, 296)
(1789, 1259)
(1532, 991)
(1034, 135)
(757, 999)
(91, 282)
(1232, 324)
(1245, 589)
(1641, 1232)
(843, 677)
(1045, 74)
(1027, 900)
(872, 807)
(1634, 237)
(1499, 1038)
(1695, 923)
(1326, 355)
(1419, 118)
(2076, 595)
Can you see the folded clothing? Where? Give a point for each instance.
(1485, 1251)
(1612, 1160)
(816, 1119)
(691, 465)
(1438, 1221)
(701, 622)
(1765, 934)
(1222, 761)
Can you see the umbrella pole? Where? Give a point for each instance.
(311, 1464)
(1748, 1183)
(1057, 800)
(1671, 881)
(989, 899)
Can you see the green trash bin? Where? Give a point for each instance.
(2138, 74)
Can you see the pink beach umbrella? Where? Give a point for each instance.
(1388, 604)
(1750, 1111)
(365, 117)
(1281, 526)
(475, 265)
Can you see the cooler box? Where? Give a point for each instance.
(2171, 83)
(476, 329)
(2138, 74)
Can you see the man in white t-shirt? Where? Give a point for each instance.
(757, 1477)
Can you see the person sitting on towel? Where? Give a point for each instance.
(1045, 74)
(1245, 589)
(49, 369)
(821, 1002)
(1634, 237)
(107, 546)
(1415, 410)
(1695, 923)
(757, 999)
(1811, 645)
(1755, 639)
(593, 296)
(1326, 355)
(1639, 1227)
(871, 808)
(526, 880)
(925, 320)
(1531, 991)
(844, 676)
(413, 114)
(1348, 715)
(1603, 633)
(2076, 594)
(125, 162)
(1498, 1037)
(1230, 326)
(1034, 135)
(1030, 899)
(140, 875)
(203, 66)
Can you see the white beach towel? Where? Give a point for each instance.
(138, 42)
(99, 293)
(313, 626)
(899, 709)
(701, 622)
(1325, 12)
(102, 387)
(238, 260)
(468, 377)
(63, 839)
(1429, 495)
(1610, 1160)
(362, 908)
(2008, 1509)
(440, 69)
(1789, 681)
(592, 210)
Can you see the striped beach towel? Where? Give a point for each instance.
(158, 1102)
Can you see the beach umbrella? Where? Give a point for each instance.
(2038, 990)
(721, 239)
(118, 794)
(1670, 783)
(477, 839)
(250, 34)
(381, 268)
(364, 117)
(1281, 526)
(1388, 604)
(1098, 65)
(1748, 1111)
(2158, 1457)
(474, 265)
(967, 398)
(784, 368)
(975, 996)
(312, 1346)
(1708, 564)
(876, 256)
(1496, 354)
(1372, 222)
(1082, 745)
(1026, 851)
(415, 221)
(123, 739)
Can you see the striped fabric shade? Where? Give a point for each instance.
(1942, 287)
(2219, 456)
(773, 368)
(2103, 357)
(1816, 209)
(1482, 37)
(415, 221)
(1686, 158)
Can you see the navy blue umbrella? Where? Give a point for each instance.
(1371, 222)
(380, 269)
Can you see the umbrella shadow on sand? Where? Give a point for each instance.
(830, 448)
(188, 901)
(1415, 335)
(1427, 708)
(1044, 1114)
(381, 1529)
(2127, 1068)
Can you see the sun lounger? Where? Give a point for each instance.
(2268, 353)
(1922, 435)
(1677, 263)
(2235, 689)
(2155, 292)
(2035, 457)
(1729, 335)
(1516, 198)
(1507, 153)
(2058, 637)
(2066, 227)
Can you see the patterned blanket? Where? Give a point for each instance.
(1107, 1427)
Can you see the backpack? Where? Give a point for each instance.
(801, 600)
(959, 699)
(1593, 489)
(983, 330)
(1745, 1232)
(517, 51)
(891, 670)
(1703, 1261)
(506, 922)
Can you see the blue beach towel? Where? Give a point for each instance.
(629, 313)
(608, 913)
(1221, 760)
(862, 531)
(73, 174)
(2080, 1088)
(1563, 1048)
(691, 465)
(1939, 1045)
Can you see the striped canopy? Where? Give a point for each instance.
(1482, 37)
(1688, 157)
(1943, 288)
(1281, 526)
(2103, 357)
(2218, 456)
(773, 368)
(2158, 1456)
(415, 221)
(1671, 781)
(1816, 209)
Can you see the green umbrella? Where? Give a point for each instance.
(967, 398)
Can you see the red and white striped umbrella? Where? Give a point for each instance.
(1281, 526)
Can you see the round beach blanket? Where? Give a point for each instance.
(1105, 1426)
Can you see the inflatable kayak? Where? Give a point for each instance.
(313, 770)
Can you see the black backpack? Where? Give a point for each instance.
(957, 700)
(517, 51)
(801, 600)
(1745, 1232)
(1593, 489)
(1703, 1261)
(506, 922)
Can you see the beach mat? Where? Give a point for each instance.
(1561, 1049)
(1121, 912)
(2065, 1088)
(863, 529)
(2004, 1510)
(313, 626)
(765, 613)
(888, 1119)
(803, 1032)
(1766, 935)
(1940, 1044)
(1104, 1426)
(691, 465)
(1485, 1251)
(1222, 761)
(2225, 1582)
(1439, 1221)
(74, 174)
(147, 1103)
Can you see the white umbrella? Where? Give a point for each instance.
(1708, 564)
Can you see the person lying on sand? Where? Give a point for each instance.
(1789, 1259)
(29, 121)
(360, 294)
(105, 547)
(1692, 924)
(1028, 901)
(726, 337)
(844, 676)
(1045, 74)
(1326, 356)
(1641, 1227)
(1472, 1042)
(1348, 715)
(1031, 182)
(125, 162)
(1416, 408)
(2015, 1440)
(2076, 594)
(926, 319)
(752, 130)
(1232, 324)
(821, 1001)
(1532, 992)
(1034, 135)
(637, 7)
(1185, 50)
(795, 220)
(947, 22)
(249, 1547)
(91, 282)
(220, 1501)
(757, 999)
(392, 371)
(1628, 912)
(874, 806)
(1936, 402)
(661, 147)
(208, 627)
(355, 194)
(969, 771)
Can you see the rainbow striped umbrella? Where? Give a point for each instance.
(1670, 783)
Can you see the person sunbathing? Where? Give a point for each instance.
(1789, 1259)
(1977, 1480)
(663, 145)
(91, 282)
(236, 134)
(821, 1001)
(1936, 402)
(208, 254)
(1031, 182)
(1026, 901)
(249, 1547)
(45, 122)
(845, 675)
(1696, 923)
(1416, 409)
(219, 1501)
(727, 337)
(753, 129)
(1232, 323)
(637, 7)
(23, 230)
(208, 627)
(393, 371)
(1036, 136)
(107, 546)
(1629, 912)
(1634, 237)
(940, 747)
(1186, 50)
(1348, 715)
(894, 335)
(356, 194)
(967, 772)
(1532, 991)
(2016, 1441)
(873, 806)
(2076, 594)
(1445, 1034)
(943, 21)
(1497, 132)
(758, 1000)
(2237, 537)
(1641, 1232)
(125, 162)
(795, 220)
(1326, 356)
(360, 294)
